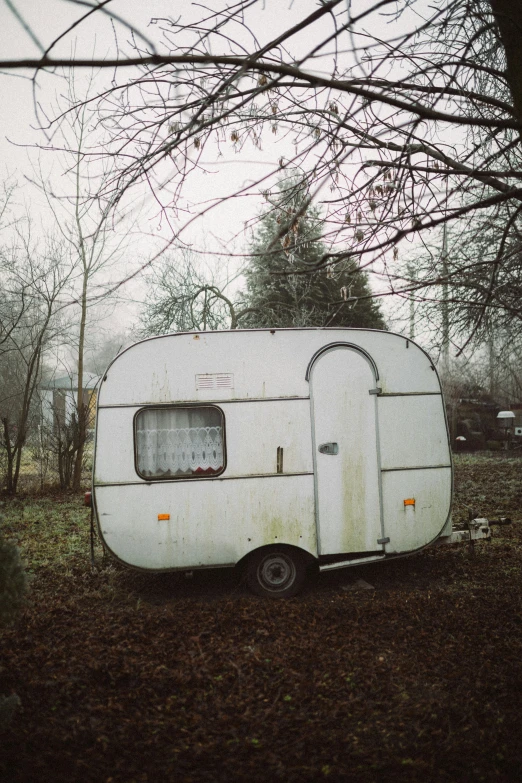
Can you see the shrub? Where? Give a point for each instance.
(13, 581)
(13, 586)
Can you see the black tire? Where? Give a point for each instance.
(278, 572)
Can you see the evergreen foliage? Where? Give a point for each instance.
(282, 291)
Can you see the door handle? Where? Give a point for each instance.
(329, 448)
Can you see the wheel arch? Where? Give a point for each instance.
(307, 556)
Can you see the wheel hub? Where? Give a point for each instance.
(277, 571)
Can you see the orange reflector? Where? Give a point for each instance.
(163, 516)
(409, 502)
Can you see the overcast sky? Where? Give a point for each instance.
(47, 19)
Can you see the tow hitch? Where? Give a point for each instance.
(478, 529)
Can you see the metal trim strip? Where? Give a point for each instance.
(379, 470)
(417, 467)
(410, 394)
(354, 562)
(153, 482)
(341, 344)
(201, 402)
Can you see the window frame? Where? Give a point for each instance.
(188, 476)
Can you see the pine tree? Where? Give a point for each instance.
(280, 287)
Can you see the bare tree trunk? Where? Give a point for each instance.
(82, 424)
(492, 366)
(14, 449)
(80, 406)
(508, 16)
(9, 454)
(23, 422)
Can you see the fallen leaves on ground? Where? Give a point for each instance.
(125, 676)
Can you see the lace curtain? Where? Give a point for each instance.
(179, 441)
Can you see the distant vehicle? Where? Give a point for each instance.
(275, 449)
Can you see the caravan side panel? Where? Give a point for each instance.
(254, 432)
(210, 520)
(416, 467)
(216, 522)
(415, 525)
(413, 431)
(263, 392)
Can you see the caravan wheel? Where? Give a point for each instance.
(276, 573)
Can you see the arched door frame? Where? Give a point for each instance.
(375, 392)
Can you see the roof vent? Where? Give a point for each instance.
(216, 380)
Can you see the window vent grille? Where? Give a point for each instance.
(217, 380)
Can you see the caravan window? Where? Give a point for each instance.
(179, 442)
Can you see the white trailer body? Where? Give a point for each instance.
(212, 446)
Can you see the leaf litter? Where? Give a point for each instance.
(127, 677)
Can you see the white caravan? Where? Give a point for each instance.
(276, 448)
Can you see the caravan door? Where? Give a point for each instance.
(346, 462)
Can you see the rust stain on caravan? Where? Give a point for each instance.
(353, 504)
(354, 479)
(279, 530)
(274, 521)
(161, 387)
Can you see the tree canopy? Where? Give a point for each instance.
(405, 116)
(184, 296)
